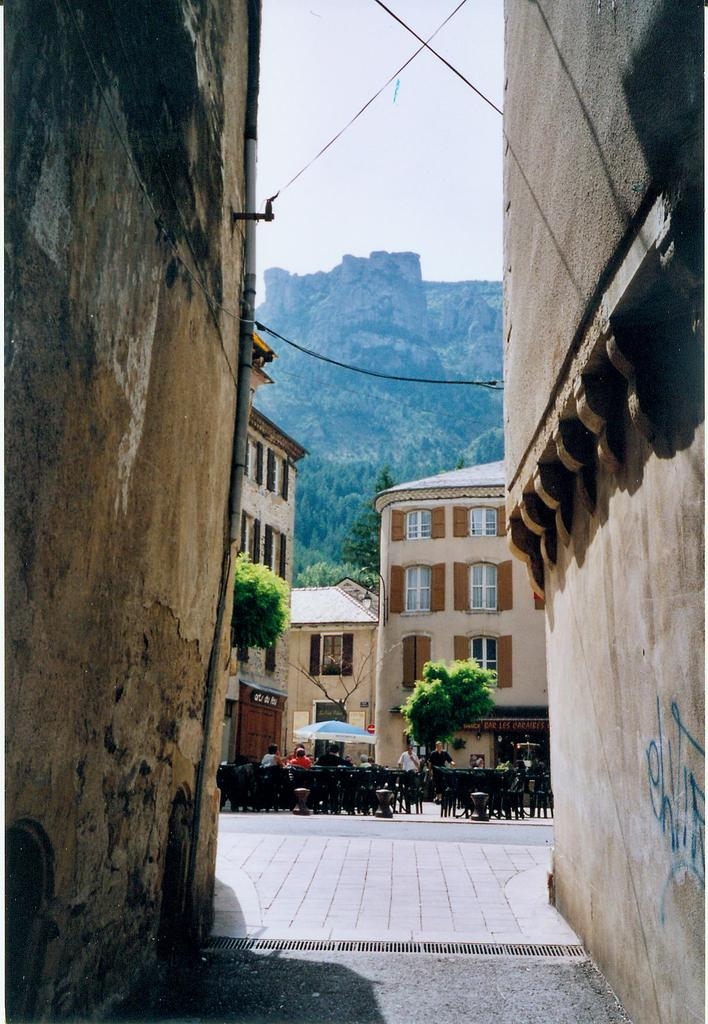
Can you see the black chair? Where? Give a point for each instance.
(268, 788)
(448, 800)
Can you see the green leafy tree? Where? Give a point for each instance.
(447, 697)
(361, 545)
(261, 605)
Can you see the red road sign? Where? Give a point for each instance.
(371, 728)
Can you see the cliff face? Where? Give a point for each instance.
(379, 314)
(119, 413)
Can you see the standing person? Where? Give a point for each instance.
(408, 760)
(438, 759)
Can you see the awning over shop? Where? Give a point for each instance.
(266, 696)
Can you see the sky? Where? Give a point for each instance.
(419, 171)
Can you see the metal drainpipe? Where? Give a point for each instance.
(238, 455)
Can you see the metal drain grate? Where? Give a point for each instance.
(218, 943)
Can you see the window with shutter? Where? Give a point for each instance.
(259, 462)
(461, 648)
(501, 522)
(285, 485)
(408, 660)
(282, 566)
(315, 654)
(244, 531)
(461, 586)
(422, 655)
(270, 470)
(418, 524)
(332, 654)
(256, 541)
(483, 587)
(268, 547)
(484, 651)
(270, 659)
(504, 667)
(437, 596)
(396, 589)
(483, 522)
(347, 654)
(506, 596)
(416, 653)
(418, 580)
(460, 527)
(438, 526)
(398, 524)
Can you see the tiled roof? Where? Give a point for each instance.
(487, 475)
(326, 605)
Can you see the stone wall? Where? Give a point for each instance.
(605, 455)
(124, 162)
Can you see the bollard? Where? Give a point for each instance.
(480, 807)
(384, 797)
(301, 796)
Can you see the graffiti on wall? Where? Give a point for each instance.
(675, 767)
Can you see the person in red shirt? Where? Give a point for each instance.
(300, 759)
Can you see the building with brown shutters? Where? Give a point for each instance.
(332, 650)
(452, 591)
(257, 691)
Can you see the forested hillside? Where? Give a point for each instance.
(378, 314)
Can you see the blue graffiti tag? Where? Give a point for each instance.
(675, 766)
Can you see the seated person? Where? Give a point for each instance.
(331, 759)
(300, 759)
(272, 757)
(365, 761)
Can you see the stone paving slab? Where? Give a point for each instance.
(298, 887)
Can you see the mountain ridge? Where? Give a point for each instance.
(376, 312)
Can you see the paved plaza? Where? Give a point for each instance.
(283, 882)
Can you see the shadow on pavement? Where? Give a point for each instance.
(248, 988)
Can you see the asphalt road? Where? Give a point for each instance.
(338, 988)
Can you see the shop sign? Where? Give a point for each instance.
(511, 724)
(267, 699)
(363, 703)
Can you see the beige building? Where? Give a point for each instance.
(454, 592)
(257, 691)
(604, 441)
(332, 668)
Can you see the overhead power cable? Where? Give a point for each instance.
(368, 103)
(438, 55)
(491, 385)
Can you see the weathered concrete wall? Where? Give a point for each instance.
(626, 669)
(598, 117)
(124, 129)
(605, 456)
